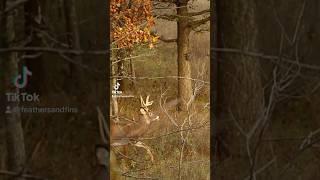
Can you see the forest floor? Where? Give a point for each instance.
(193, 162)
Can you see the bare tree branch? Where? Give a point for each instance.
(55, 50)
(196, 23)
(266, 57)
(13, 6)
(27, 176)
(199, 13)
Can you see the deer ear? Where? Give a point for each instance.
(142, 111)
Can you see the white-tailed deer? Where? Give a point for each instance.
(128, 134)
(123, 135)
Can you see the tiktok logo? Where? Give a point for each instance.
(116, 86)
(21, 80)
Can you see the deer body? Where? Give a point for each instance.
(122, 136)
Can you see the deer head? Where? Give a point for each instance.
(146, 114)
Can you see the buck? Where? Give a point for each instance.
(122, 135)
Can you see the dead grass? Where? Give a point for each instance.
(166, 139)
(166, 148)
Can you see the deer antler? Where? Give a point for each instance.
(147, 101)
(142, 102)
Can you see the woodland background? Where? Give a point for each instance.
(265, 89)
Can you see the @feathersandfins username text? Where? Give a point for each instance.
(41, 109)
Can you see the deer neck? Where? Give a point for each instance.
(145, 119)
(141, 127)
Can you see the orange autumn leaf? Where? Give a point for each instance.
(131, 23)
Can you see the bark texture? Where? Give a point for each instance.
(73, 39)
(239, 84)
(184, 65)
(3, 143)
(33, 29)
(14, 131)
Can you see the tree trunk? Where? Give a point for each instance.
(33, 21)
(14, 131)
(121, 71)
(114, 103)
(213, 89)
(72, 24)
(118, 69)
(239, 83)
(133, 75)
(73, 39)
(184, 66)
(3, 143)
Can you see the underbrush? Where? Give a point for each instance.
(179, 151)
